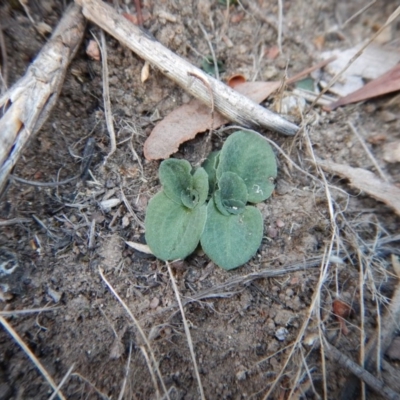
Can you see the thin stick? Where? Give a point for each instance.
(368, 151)
(187, 331)
(228, 102)
(140, 330)
(153, 377)
(29, 353)
(63, 380)
(378, 386)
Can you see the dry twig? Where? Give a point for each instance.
(229, 103)
(378, 386)
(28, 103)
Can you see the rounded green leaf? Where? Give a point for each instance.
(232, 194)
(251, 157)
(175, 177)
(230, 241)
(172, 230)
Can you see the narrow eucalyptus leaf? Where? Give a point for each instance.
(175, 177)
(250, 156)
(230, 241)
(172, 230)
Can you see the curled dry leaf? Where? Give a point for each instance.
(368, 182)
(93, 51)
(187, 121)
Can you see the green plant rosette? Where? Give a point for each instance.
(180, 185)
(230, 241)
(250, 156)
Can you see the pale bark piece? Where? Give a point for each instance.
(374, 61)
(28, 103)
(368, 182)
(187, 121)
(387, 83)
(231, 104)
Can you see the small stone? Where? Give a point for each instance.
(281, 334)
(279, 223)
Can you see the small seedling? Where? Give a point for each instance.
(229, 229)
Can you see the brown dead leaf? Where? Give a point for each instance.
(342, 311)
(187, 121)
(368, 182)
(387, 83)
(272, 53)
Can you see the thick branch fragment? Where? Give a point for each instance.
(232, 105)
(28, 103)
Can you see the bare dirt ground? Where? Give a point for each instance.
(248, 334)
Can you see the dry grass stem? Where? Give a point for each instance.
(128, 363)
(187, 331)
(311, 310)
(368, 151)
(106, 94)
(141, 332)
(356, 14)
(362, 318)
(100, 393)
(63, 380)
(153, 377)
(210, 46)
(29, 353)
(27, 311)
